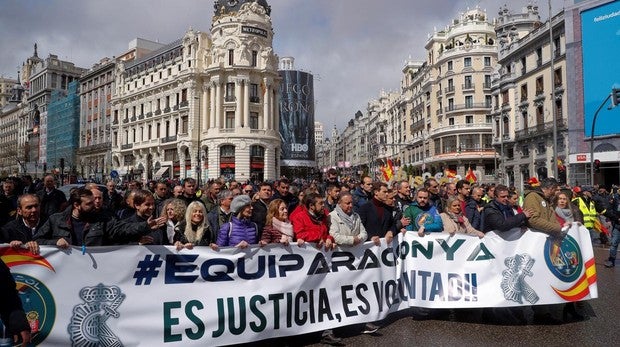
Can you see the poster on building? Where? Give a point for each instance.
(600, 48)
(297, 118)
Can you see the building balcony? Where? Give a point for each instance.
(140, 117)
(168, 139)
(486, 85)
(467, 127)
(468, 106)
(167, 109)
(127, 146)
(449, 90)
(132, 119)
(175, 107)
(468, 87)
(254, 99)
(438, 93)
(184, 103)
(539, 130)
(230, 98)
(157, 112)
(126, 120)
(149, 114)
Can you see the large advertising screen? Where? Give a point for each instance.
(601, 66)
(297, 118)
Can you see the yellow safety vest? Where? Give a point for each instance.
(589, 214)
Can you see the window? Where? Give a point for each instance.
(184, 125)
(468, 84)
(525, 150)
(450, 65)
(467, 62)
(253, 120)
(524, 115)
(230, 120)
(487, 81)
(489, 119)
(451, 121)
(557, 78)
(539, 56)
(149, 134)
(231, 57)
(254, 93)
(469, 101)
(230, 92)
(540, 85)
(523, 66)
(488, 101)
(469, 119)
(450, 104)
(541, 148)
(157, 129)
(524, 92)
(487, 61)
(254, 58)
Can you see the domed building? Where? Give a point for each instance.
(204, 106)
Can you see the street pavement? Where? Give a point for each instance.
(468, 328)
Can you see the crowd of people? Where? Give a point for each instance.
(334, 212)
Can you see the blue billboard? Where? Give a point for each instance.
(601, 66)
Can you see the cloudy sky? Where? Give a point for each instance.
(355, 48)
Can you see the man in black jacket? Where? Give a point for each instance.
(20, 232)
(79, 226)
(52, 199)
(376, 216)
(498, 214)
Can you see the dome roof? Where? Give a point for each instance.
(230, 6)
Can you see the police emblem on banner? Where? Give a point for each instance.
(38, 304)
(565, 261)
(513, 283)
(88, 322)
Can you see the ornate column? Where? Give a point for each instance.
(246, 103)
(218, 105)
(238, 109)
(266, 107)
(212, 105)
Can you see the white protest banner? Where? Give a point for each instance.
(502, 269)
(139, 295)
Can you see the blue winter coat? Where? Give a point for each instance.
(242, 230)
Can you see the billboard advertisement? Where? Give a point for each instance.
(601, 49)
(297, 118)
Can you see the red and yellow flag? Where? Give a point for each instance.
(388, 170)
(471, 176)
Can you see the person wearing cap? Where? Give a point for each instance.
(538, 199)
(240, 231)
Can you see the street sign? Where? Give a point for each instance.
(114, 174)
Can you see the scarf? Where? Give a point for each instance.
(457, 218)
(565, 213)
(194, 233)
(286, 228)
(349, 220)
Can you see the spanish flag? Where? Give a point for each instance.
(449, 173)
(388, 171)
(471, 177)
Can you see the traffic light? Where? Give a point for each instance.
(615, 97)
(597, 165)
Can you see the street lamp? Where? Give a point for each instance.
(615, 93)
